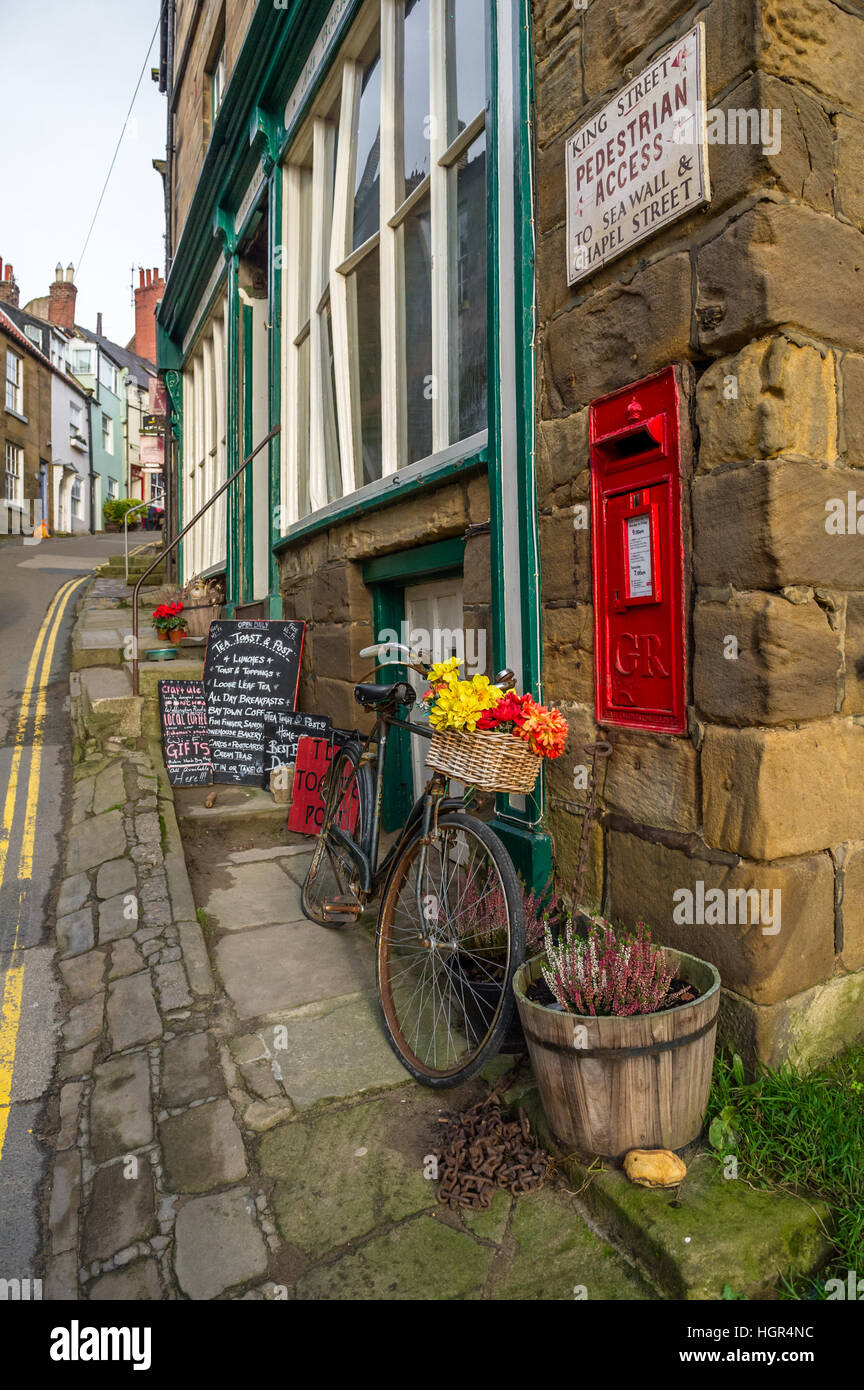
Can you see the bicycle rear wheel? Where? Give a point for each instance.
(451, 935)
(331, 891)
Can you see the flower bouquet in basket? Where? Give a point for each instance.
(487, 737)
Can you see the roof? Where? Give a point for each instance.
(9, 324)
(137, 367)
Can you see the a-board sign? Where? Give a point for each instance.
(282, 735)
(314, 756)
(185, 736)
(251, 673)
(641, 161)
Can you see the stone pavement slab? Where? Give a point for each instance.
(336, 1051)
(341, 1174)
(190, 1070)
(218, 1244)
(137, 1282)
(272, 969)
(422, 1260)
(252, 895)
(202, 1148)
(122, 1209)
(132, 1014)
(96, 840)
(120, 1114)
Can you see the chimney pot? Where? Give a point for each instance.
(148, 277)
(70, 273)
(99, 324)
(58, 272)
(9, 275)
(140, 278)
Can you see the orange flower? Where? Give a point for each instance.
(545, 731)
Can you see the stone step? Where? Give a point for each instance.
(109, 708)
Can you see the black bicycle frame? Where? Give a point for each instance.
(365, 855)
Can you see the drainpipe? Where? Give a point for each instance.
(91, 476)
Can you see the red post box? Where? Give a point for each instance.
(637, 545)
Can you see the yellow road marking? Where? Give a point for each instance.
(20, 733)
(13, 985)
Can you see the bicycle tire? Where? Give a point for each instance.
(327, 872)
(469, 1065)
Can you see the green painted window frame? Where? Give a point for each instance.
(387, 577)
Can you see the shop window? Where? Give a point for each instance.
(384, 283)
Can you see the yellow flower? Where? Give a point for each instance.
(461, 703)
(444, 671)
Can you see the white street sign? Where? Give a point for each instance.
(641, 161)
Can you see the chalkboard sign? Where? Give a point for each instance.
(251, 673)
(282, 736)
(185, 736)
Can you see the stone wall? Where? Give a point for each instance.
(321, 582)
(761, 294)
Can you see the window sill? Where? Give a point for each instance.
(469, 454)
(18, 416)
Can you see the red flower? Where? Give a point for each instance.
(511, 709)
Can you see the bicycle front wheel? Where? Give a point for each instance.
(451, 935)
(331, 893)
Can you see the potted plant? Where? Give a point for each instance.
(621, 1035)
(168, 623)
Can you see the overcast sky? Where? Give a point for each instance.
(68, 69)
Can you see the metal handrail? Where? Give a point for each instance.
(180, 534)
(137, 508)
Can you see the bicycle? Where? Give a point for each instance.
(451, 925)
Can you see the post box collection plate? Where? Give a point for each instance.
(638, 556)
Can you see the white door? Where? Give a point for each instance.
(435, 619)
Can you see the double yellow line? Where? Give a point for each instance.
(34, 695)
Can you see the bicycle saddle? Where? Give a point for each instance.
(373, 696)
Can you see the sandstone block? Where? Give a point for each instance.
(774, 792)
(849, 150)
(565, 559)
(809, 1028)
(854, 644)
(852, 907)
(786, 667)
(615, 36)
(559, 86)
(477, 572)
(653, 780)
(816, 43)
(650, 880)
(771, 398)
(619, 334)
(339, 595)
(551, 21)
(765, 526)
(852, 390)
(758, 275)
(563, 476)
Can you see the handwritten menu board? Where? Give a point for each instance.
(251, 673)
(185, 736)
(282, 736)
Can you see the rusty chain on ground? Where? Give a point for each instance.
(482, 1150)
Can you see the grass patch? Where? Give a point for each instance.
(205, 921)
(803, 1131)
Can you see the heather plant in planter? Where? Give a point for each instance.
(621, 1035)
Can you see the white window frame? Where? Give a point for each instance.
(75, 356)
(112, 489)
(75, 497)
(333, 259)
(205, 443)
(14, 382)
(14, 471)
(107, 433)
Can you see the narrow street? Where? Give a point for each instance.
(40, 585)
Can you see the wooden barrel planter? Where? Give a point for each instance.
(637, 1083)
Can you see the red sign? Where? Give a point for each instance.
(638, 556)
(314, 756)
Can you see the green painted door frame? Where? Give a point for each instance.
(512, 487)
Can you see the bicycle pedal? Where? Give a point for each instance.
(342, 907)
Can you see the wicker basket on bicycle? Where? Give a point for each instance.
(492, 762)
